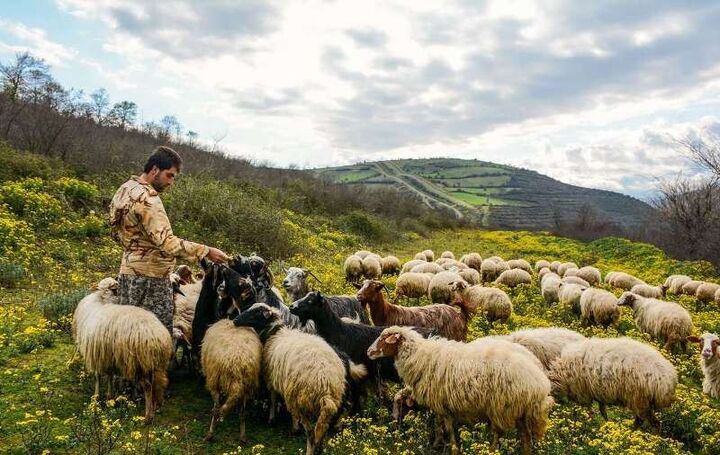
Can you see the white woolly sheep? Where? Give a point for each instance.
(231, 361)
(645, 290)
(691, 287)
(439, 289)
(709, 361)
(615, 371)
(521, 264)
(562, 268)
(590, 274)
(184, 313)
(598, 306)
(674, 283)
(429, 255)
(371, 268)
(447, 254)
(420, 257)
(666, 321)
(410, 264)
(514, 277)
(550, 286)
(520, 390)
(569, 295)
(554, 265)
(544, 271)
(362, 254)
(496, 259)
(472, 276)
(545, 343)
(576, 280)
(494, 303)
(353, 268)
(706, 292)
(541, 264)
(390, 265)
(571, 272)
(125, 340)
(454, 265)
(413, 285)
(472, 260)
(622, 280)
(427, 267)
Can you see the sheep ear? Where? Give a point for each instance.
(392, 339)
(694, 339)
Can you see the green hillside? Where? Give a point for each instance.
(496, 195)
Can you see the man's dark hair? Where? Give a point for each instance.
(164, 158)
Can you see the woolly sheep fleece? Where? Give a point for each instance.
(439, 289)
(410, 264)
(645, 290)
(622, 280)
(413, 285)
(590, 274)
(494, 303)
(472, 260)
(545, 343)
(371, 268)
(521, 264)
(691, 287)
(427, 267)
(514, 277)
(706, 292)
(663, 320)
(598, 306)
(353, 268)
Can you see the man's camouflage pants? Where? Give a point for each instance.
(153, 294)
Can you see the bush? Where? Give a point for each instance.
(58, 308)
(364, 225)
(76, 191)
(11, 275)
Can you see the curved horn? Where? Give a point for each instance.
(313, 275)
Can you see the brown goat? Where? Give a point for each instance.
(449, 321)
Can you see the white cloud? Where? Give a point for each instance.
(35, 41)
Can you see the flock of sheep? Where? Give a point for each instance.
(323, 354)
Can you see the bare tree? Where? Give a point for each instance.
(123, 114)
(99, 101)
(18, 80)
(703, 152)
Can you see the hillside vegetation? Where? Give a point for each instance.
(54, 244)
(496, 195)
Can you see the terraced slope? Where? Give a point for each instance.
(492, 194)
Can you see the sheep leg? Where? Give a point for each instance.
(495, 437)
(97, 385)
(603, 410)
(649, 417)
(109, 393)
(435, 430)
(149, 408)
(273, 406)
(450, 430)
(243, 436)
(525, 437)
(214, 418)
(159, 386)
(310, 440)
(323, 423)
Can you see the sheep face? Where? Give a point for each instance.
(710, 345)
(307, 306)
(369, 291)
(258, 317)
(238, 288)
(627, 299)
(458, 286)
(185, 274)
(107, 284)
(295, 279)
(386, 345)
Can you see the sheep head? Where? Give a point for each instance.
(627, 299)
(386, 345)
(710, 344)
(185, 274)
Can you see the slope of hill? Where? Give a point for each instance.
(494, 194)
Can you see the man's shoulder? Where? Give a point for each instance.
(134, 191)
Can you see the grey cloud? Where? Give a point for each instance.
(368, 37)
(267, 103)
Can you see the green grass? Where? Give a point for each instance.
(480, 200)
(462, 172)
(475, 182)
(354, 176)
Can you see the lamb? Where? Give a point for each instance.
(598, 306)
(304, 369)
(439, 290)
(615, 371)
(622, 280)
(371, 268)
(562, 268)
(421, 257)
(449, 321)
(353, 268)
(447, 254)
(390, 265)
(427, 267)
(410, 264)
(472, 276)
(491, 269)
(569, 295)
(549, 287)
(472, 260)
(675, 282)
(429, 255)
(231, 361)
(494, 303)
(691, 287)
(486, 380)
(645, 290)
(521, 264)
(413, 285)
(666, 321)
(590, 274)
(555, 265)
(545, 343)
(544, 271)
(295, 282)
(706, 292)
(125, 340)
(541, 264)
(514, 277)
(710, 362)
(575, 280)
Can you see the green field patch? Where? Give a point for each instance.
(482, 200)
(462, 172)
(354, 176)
(475, 182)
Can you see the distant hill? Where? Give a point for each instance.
(495, 195)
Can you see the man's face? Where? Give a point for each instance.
(160, 180)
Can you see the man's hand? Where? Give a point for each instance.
(217, 256)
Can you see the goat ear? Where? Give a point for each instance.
(694, 339)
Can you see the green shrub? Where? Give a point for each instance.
(58, 308)
(76, 191)
(18, 165)
(11, 275)
(364, 225)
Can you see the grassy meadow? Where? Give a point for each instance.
(54, 244)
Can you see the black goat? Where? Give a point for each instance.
(206, 309)
(344, 306)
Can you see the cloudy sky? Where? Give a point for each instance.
(591, 93)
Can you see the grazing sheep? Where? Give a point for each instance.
(645, 290)
(454, 265)
(665, 321)
(545, 343)
(486, 380)
(496, 259)
(410, 264)
(598, 306)
(674, 283)
(231, 361)
(295, 282)
(443, 261)
(123, 340)
(449, 321)
(472, 260)
(615, 371)
(447, 254)
(691, 287)
(555, 265)
(622, 280)
(571, 272)
(514, 277)
(494, 303)
(472, 276)
(491, 269)
(353, 268)
(549, 287)
(590, 274)
(371, 268)
(439, 290)
(562, 268)
(521, 264)
(706, 292)
(413, 285)
(710, 362)
(541, 264)
(429, 255)
(427, 267)
(362, 254)
(569, 295)
(576, 280)
(185, 299)
(304, 369)
(420, 257)
(544, 271)
(390, 265)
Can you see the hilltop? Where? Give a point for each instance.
(495, 195)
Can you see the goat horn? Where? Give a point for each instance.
(313, 275)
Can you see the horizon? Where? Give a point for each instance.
(593, 96)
